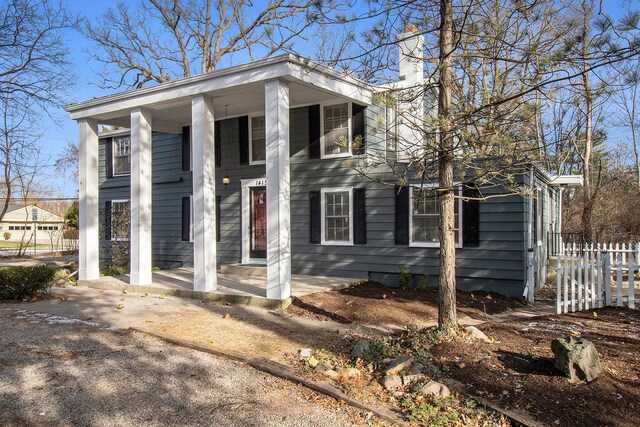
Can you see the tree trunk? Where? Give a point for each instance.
(588, 200)
(447, 321)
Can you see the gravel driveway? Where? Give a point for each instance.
(59, 371)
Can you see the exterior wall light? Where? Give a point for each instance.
(226, 181)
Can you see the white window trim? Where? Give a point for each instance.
(191, 218)
(349, 126)
(414, 244)
(539, 217)
(113, 237)
(251, 161)
(113, 154)
(323, 203)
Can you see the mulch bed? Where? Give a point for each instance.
(517, 370)
(375, 304)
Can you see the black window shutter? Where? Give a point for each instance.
(359, 216)
(314, 132)
(186, 148)
(186, 219)
(243, 124)
(470, 216)
(107, 220)
(109, 157)
(217, 144)
(218, 201)
(315, 217)
(358, 124)
(402, 210)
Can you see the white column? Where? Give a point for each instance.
(204, 194)
(88, 185)
(278, 190)
(141, 186)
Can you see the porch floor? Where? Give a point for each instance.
(179, 280)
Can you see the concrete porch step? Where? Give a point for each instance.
(253, 270)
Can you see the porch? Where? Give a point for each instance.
(235, 284)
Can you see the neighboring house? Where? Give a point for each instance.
(29, 223)
(247, 165)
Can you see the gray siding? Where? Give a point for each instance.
(497, 264)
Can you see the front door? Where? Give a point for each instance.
(258, 222)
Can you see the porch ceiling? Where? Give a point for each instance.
(235, 91)
(247, 99)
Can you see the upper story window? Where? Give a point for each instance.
(337, 215)
(336, 134)
(425, 218)
(122, 155)
(258, 138)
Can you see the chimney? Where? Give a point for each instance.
(411, 44)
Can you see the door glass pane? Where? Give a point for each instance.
(258, 221)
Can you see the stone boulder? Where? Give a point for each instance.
(360, 350)
(577, 358)
(390, 382)
(434, 388)
(476, 334)
(398, 365)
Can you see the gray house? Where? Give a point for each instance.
(249, 165)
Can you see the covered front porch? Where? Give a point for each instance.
(235, 284)
(271, 88)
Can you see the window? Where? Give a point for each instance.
(537, 216)
(47, 227)
(120, 220)
(19, 227)
(425, 217)
(122, 155)
(257, 149)
(336, 133)
(337, 215)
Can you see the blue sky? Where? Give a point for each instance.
(60, 131)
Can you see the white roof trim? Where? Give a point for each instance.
(283, 66)
(567, 181)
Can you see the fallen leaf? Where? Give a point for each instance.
(384, 296)
(144, 295)
(227, 316)
(161, 296)
(88, 318)
(120, 306)
(595, 314)
(124, 291)
(312, 361)
(122, 299)
(149, 321)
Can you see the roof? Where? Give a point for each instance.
(287, 67)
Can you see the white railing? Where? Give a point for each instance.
(622, 249)
(584, 279)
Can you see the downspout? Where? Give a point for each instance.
(530, 285)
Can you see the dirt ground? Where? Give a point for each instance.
(517, 370)
(374, 304)
(58, 371)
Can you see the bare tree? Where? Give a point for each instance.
(164, 39)
(34, 74)
(490, 63)
(628, 101)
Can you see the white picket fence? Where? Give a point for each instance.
(584, 279)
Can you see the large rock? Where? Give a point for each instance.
(477, 334)
(434, 388)
(360, 350)
(577, 358)
(392, 381)
(398, 365)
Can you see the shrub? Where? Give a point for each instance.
(406, 278)
(7, 235)
(114, 270)
(21, 282)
